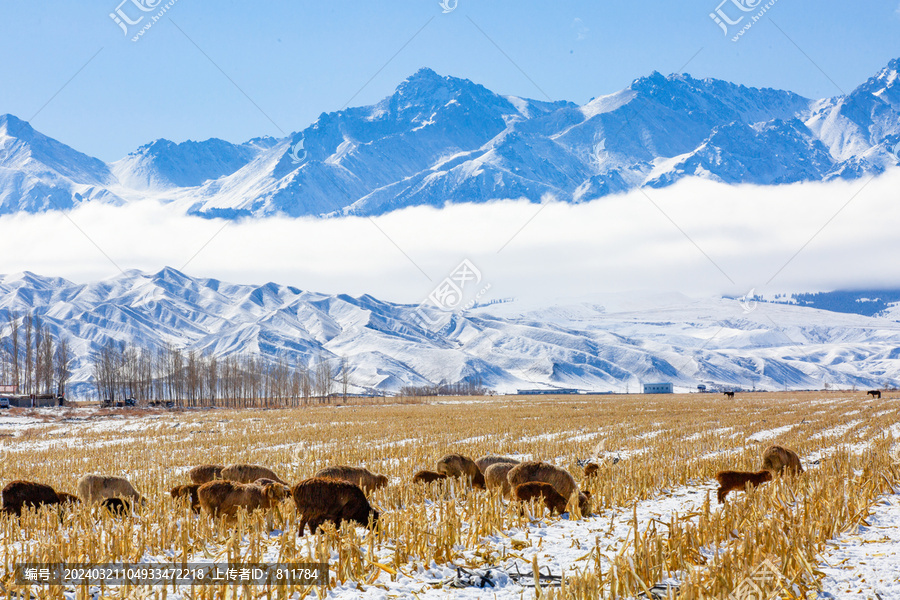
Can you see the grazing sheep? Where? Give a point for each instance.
(457, 465)
(224, 498)
(319, 500)
(496, 477)
(486, 461)
(249, 473)
(737, 480)
(428, 477)
(65, 498)
(368, 481)
(778, 458)
(205, 473)
(584, 503)
(94, 488)
(559, 478)
(590, 470)
(189, 490)
(527, 492)
(19, 494)
(118, 507)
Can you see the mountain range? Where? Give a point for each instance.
(439, 140)
(613, 342)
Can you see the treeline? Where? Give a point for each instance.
(473, 387)
(31, 358)
(191, 378)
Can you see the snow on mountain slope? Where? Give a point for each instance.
(37, 173)
(439, 140)
(608, 343)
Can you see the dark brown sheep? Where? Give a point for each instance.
(188, 490)
(205, 473)
(118, 507)
(457, 465)
(224, 498)
(778, 458)
(428, 477)
(319, 500)
(65, 498)
(590, 470)
(527, 492)
(20, 494)
(738, 480)
(364, 478)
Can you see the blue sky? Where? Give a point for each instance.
(237, 70)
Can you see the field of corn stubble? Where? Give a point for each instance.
(655, 513)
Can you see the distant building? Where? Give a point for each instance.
(545, 392)
(701, 388)
(658, 388)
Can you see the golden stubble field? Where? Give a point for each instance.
(649, 447)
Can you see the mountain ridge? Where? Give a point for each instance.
(442, 139)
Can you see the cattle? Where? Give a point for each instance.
(496, 477)
(249, 473)
(224, 498)
(457, 465)
(729, 395)
(321, 500)
(559, 478)
(188, 491)
(778, 458)
(428, 477)
(94, 488)
(205, 473)
(486, 461)
(365, 479)
(738, 480)
(874, 393)
(17, 495)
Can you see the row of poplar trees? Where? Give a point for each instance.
(31, 358)
(191, 378)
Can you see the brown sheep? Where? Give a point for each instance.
(527, 492)
(319, 500)
(559, 478)
(737, 480)
(65, 498)
(428, 477)
(20, 494)
(457, 465)
(205, 473)
(188, 490)
(590, 470)
(224, 498)
(368, 481)
(486, 461)
(778, 458)
(496, 477)
(94, 488)
(249, 474)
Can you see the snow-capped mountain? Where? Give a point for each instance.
(443, 139)
(609, 343)
(439, 140)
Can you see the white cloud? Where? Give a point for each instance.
(581, 30)
(618, 243)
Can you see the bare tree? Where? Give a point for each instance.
(63, 371)
(345, 377)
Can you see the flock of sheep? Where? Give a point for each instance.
(338, 493)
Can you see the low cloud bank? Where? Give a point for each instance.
(697, 237)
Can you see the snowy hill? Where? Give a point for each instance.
(610, 343)
(443, 139)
